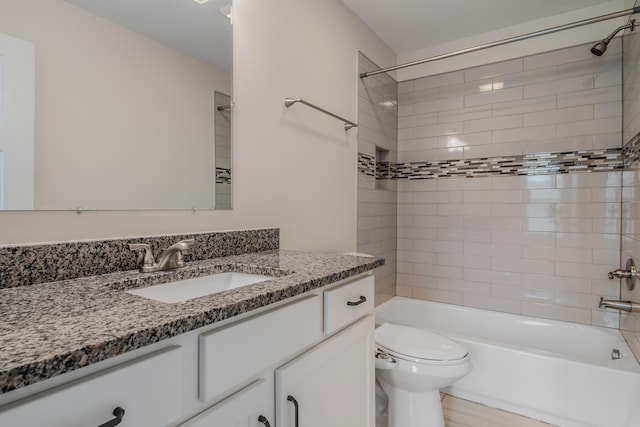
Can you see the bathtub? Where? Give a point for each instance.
(559, 372)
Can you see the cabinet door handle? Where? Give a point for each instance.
(295, 405)
(360, 301)
(118, 413)
(262, 419)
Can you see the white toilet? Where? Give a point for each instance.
(411, 366)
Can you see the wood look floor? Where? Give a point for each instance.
(462, 413)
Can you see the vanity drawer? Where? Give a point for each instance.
(346, 303)
(149, 390)
(234, 354)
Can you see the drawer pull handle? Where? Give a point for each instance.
(295, 405)
(118, 413)
(262, 419)
(360, 301)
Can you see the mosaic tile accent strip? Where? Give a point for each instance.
(631, 152)
(366, 164)
(223, 176)
(32, 264)
(530, 164)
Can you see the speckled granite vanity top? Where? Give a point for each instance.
(51, 328)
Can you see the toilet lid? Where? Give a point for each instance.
(417, 343)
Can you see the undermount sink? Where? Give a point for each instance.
(187, 289)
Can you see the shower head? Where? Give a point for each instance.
(601, 47)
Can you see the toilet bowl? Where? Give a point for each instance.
(412, 365)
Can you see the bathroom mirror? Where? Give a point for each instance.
(131, 100)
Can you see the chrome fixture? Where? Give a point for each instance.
(599, 48)
(576, 24)
(288, 102)
(223, 107)
(169, 259)
(629, 274)
(618, 305)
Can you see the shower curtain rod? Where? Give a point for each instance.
(507, 41)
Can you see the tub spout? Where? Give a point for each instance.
(619, 305)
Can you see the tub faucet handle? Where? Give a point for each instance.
(629, 274)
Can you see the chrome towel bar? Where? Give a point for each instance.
(288, 102)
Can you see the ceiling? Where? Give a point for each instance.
(200, 30)
(407, 25)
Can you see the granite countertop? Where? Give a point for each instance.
(52, 328)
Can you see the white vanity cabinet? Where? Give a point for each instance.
(317, 347)
(331, 384)
(250, 407)
(149, 389)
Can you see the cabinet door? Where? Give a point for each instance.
(149, 389)
(250, 407)
(332, 384)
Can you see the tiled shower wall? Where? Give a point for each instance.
(509, 185)
(377, 140)
(630, 322)
(222, 129)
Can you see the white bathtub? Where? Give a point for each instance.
(558, 372)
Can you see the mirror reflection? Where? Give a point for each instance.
(113, 104)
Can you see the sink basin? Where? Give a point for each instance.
(187, 289)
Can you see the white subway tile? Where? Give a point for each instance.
(417, 144)
(547, 253)
(493, 70)
(464, 286)
(610, 61)
(438, 271)
(571, 284)
(406, 110)
(595, 96)
(493, 196)
(606, 195)
(522, 265)
(435, 105)
(416, 280)
(607, 110)
(551, 311)
(494, 123)
(493, 150)
(464, 209)
(491, 303)
(471, 261)
(415, 257)
(464, 139)
(463, 114)
(464, 235)
(562, 115)
(589, 127)
(606, 256)
(417, 120)
(451, 184)
(528, 77)
(588, 240)
(445, 79)
(572, 84)
(558, 57)
(494, 96)
(528, 105)
(565, 225)
(439, 129)
(417, 233)
(524, 294)
(438, 295)
(436, 246)
(605, 319)
(491, 276)
(609, 78)
(525, 133)
(417, 97)
(578, 255)
(438, 197)
(565, 195)
(493, 249)
(506, 237)
(458, 90)
(530, 238)
(581, 270)
(522, 182)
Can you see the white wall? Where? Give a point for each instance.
(533, 46)
(294, 169)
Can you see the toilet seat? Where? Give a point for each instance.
(417, 345)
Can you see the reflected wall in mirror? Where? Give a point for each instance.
(125, 108)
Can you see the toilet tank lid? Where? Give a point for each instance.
(417, 343)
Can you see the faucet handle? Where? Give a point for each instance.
(146, 258)
(187, 243)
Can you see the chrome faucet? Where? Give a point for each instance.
(618, 305)
(169, 259)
